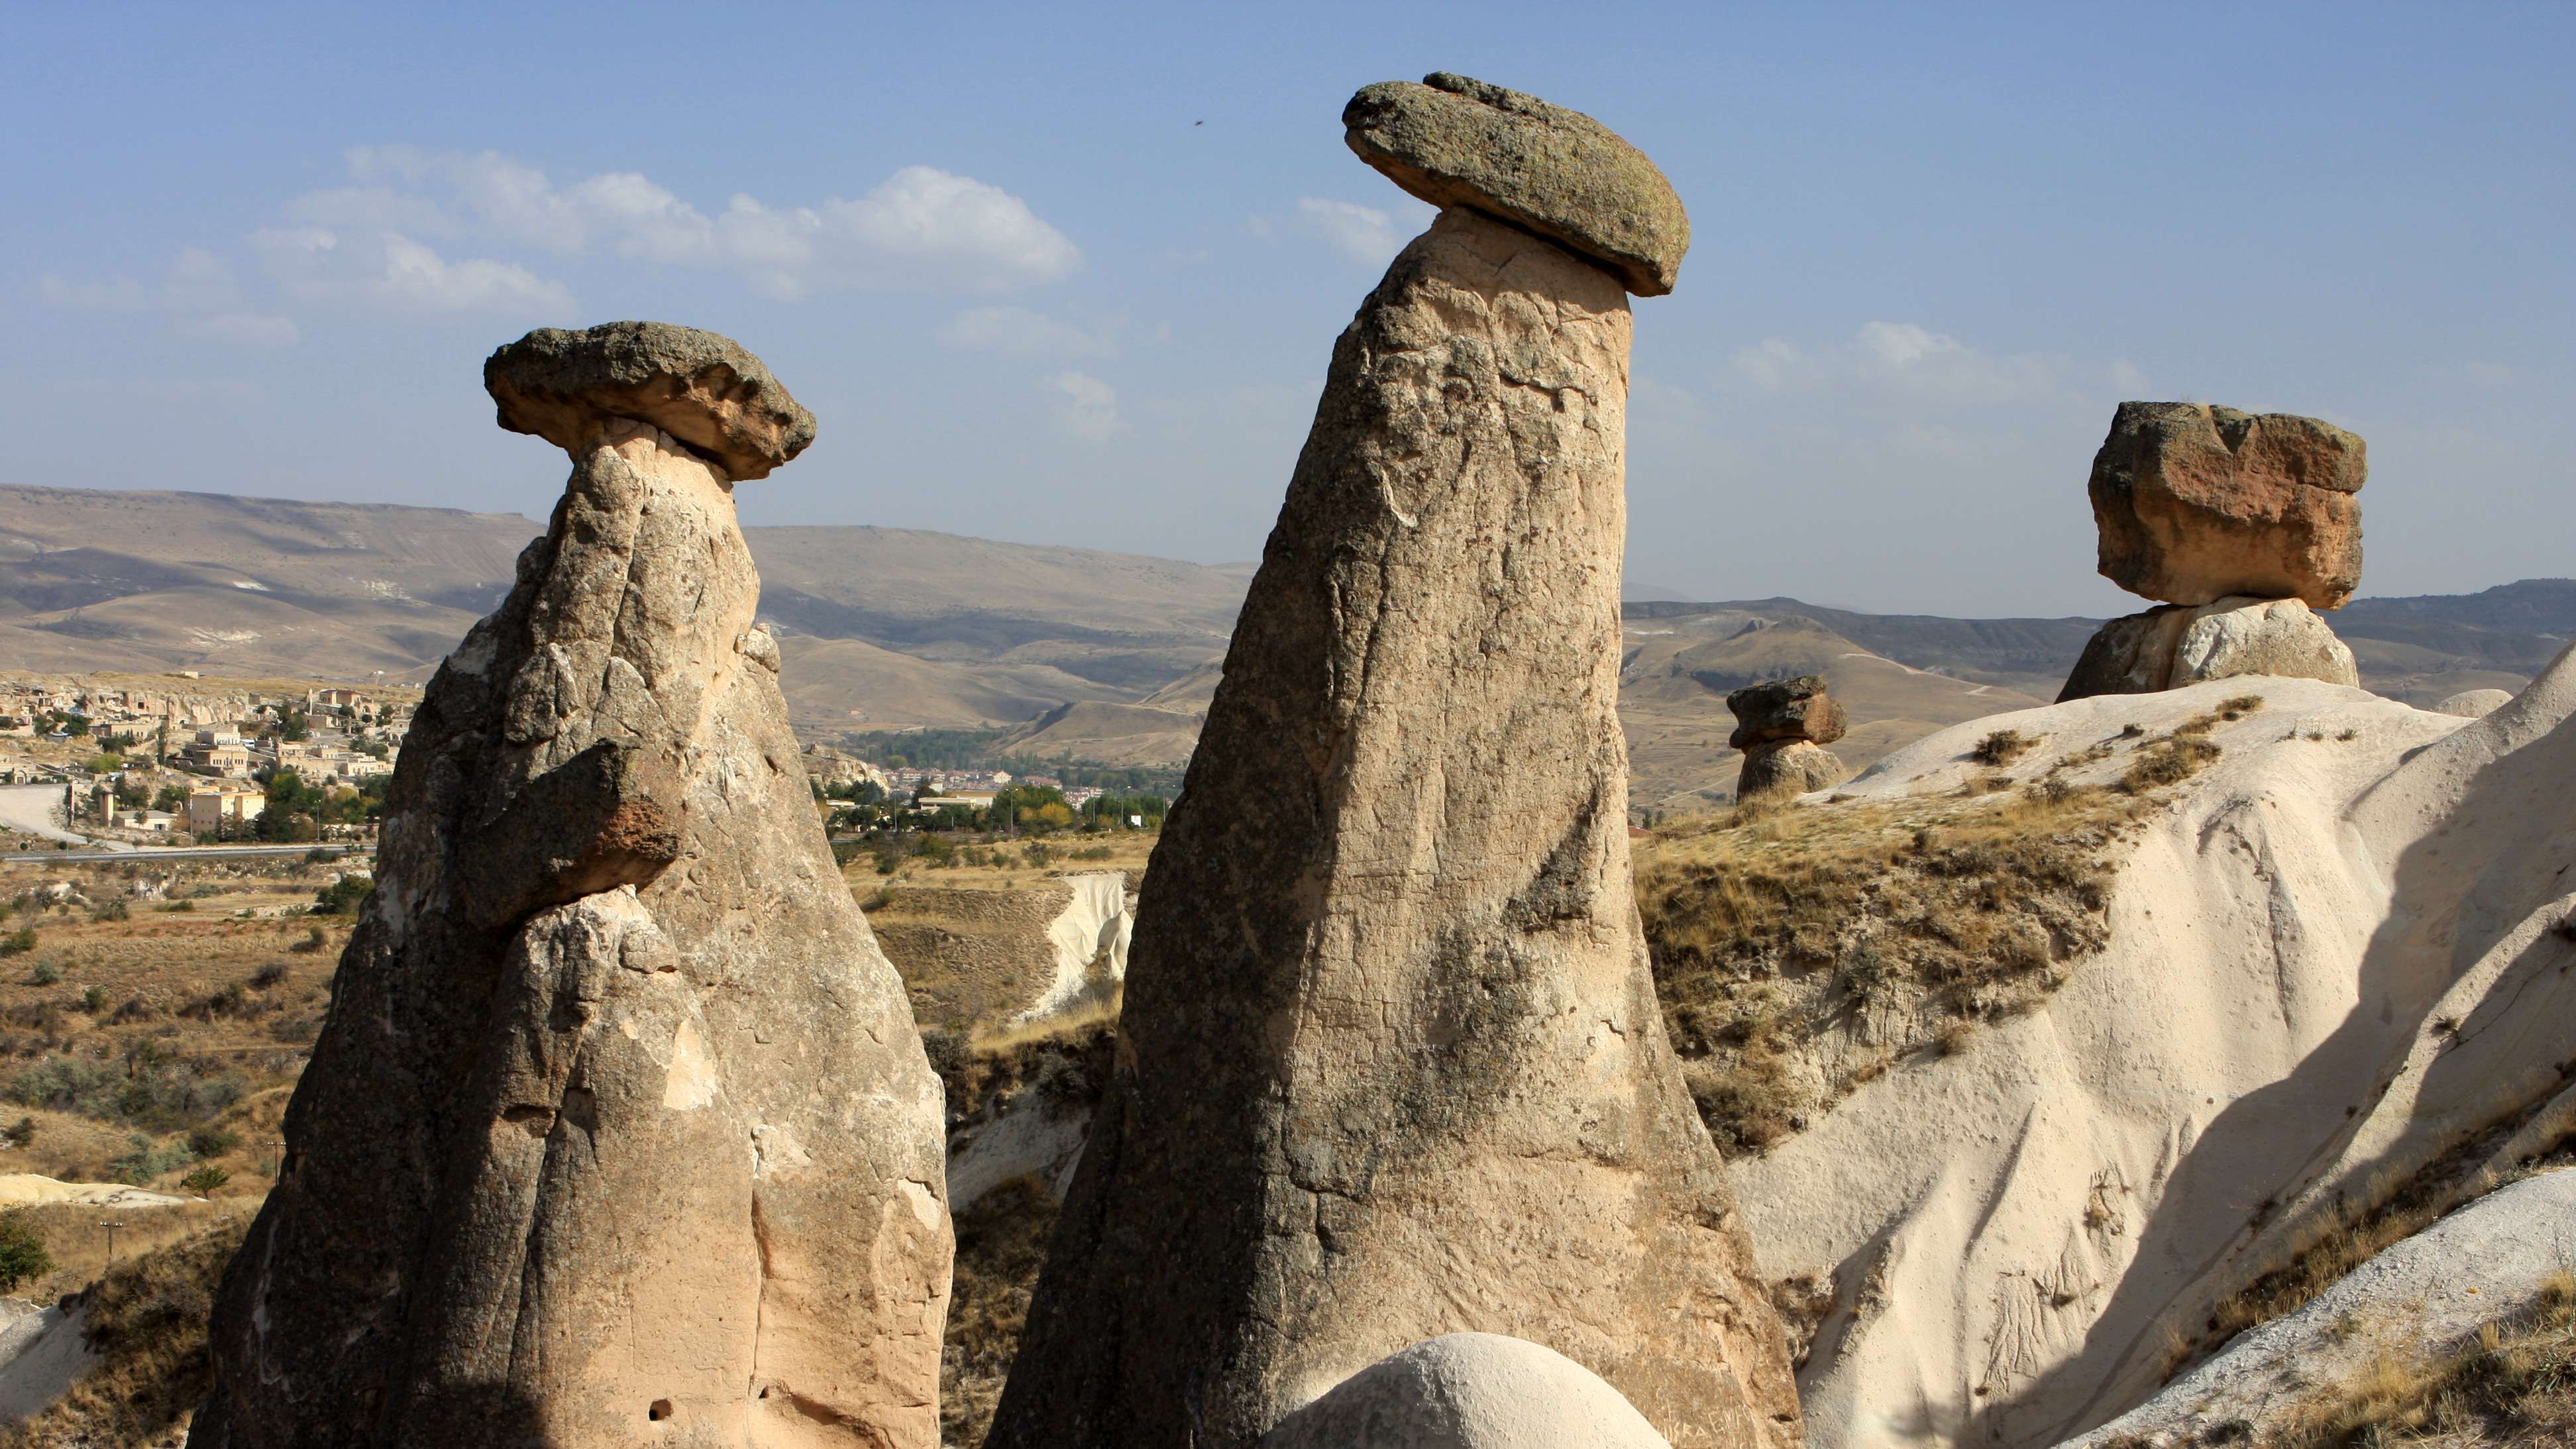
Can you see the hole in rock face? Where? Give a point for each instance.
(660, 1410)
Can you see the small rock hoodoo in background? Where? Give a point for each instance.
(1783, 726)
(619, 1129)
(2244, 526)
(1392, 1065)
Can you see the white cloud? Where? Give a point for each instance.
(1902, 362)
(1085, 406)
(200, 281)
(197, 290)
(1362, 233)
(246, 329)
(1020, 332)
(319, 265)
(921, 228)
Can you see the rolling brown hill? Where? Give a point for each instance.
(1085, 653)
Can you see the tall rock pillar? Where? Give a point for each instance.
(1391, 1063)
(619, 1131)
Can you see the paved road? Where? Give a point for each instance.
(30, 808)
(191, 852)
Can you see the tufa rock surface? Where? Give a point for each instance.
(1456, 141)
(2174, 646)
(1780, 710)
(1790, 768)
(2197, 503)
(619, 1130)
(1469, 1391)
(704, 390)
(2475, 703)
(1783, 726)
(1392, 1066)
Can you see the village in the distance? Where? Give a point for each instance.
(124, 763)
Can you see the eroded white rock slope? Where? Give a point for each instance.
(2334, 955)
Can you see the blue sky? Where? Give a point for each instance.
(263, 249)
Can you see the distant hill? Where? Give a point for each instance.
(1098, 655)
(880, 627)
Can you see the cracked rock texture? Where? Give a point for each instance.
(2175, 646)
(1457, 141)
(2196, 503)
(1392, 1066)
(619, 1130)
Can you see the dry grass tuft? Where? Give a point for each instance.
(147, 1321)
(2514, 1384)
(1800, 950)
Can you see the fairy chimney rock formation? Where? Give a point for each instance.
(2244, 525)
(1783, 726)
(1391, 1065)
(619, 1129)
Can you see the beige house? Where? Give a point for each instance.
(220, 751)
(212, 807)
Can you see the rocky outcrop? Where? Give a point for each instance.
(1391, 1064)
(1783, 726)
(2331, 960)
(704, 392)
(977, 957)
(2175, 646)
(2416, 1301)
(1469, 1391)
(2244, 525)
(619, 1128)
(1457, 141)
(2197, 503)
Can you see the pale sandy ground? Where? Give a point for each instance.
(2332, 957)
(27, 1189)
(41, 1352)
(31, 809)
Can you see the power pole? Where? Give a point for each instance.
(111, 1237)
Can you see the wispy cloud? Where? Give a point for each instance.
(197, 291)
(318, 265)
(1022, 332)
(920, 229)
(1902, 362)
(1366, 235)
(1085, 406)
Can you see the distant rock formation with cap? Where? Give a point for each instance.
(1391, 1065)
(619, 1128)
(2244, 525)
(1783, 726)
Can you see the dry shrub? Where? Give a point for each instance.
(2001, 748)
(1001, 1244)
(1066, 1057)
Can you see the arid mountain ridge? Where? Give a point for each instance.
(1101, 655)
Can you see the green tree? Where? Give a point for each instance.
(205, 1180)
(341, 897)
(22, 1251)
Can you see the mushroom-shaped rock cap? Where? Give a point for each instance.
(1785, 709)
(706, 390)
(1454, 141)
